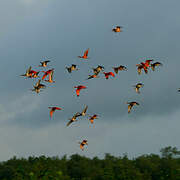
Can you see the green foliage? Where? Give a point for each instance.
(169, 152)
(145, 167)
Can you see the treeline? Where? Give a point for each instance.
(165, 166)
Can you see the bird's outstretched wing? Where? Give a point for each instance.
(86, 52)
(129, 108)
(69, 122)
(84, 110)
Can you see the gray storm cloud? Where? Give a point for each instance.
(62, 30)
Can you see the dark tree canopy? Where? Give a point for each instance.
(146, 167)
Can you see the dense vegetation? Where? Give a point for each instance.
(146, 167)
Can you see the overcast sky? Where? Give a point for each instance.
(62, 30)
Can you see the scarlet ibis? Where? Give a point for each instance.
(79, 88)
(34, 74)
(140, 67)
(46, 73)
(108, 74)
(50, 80)
(85, 56)
(148, 62)
(53, 109)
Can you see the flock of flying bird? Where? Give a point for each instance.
(47, 76)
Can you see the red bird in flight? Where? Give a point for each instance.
(50, 80)
(148, 62)
(34, 74)
(85, 56)
(53, 109)
(108, 74)
(78, 89)
(46, 73)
